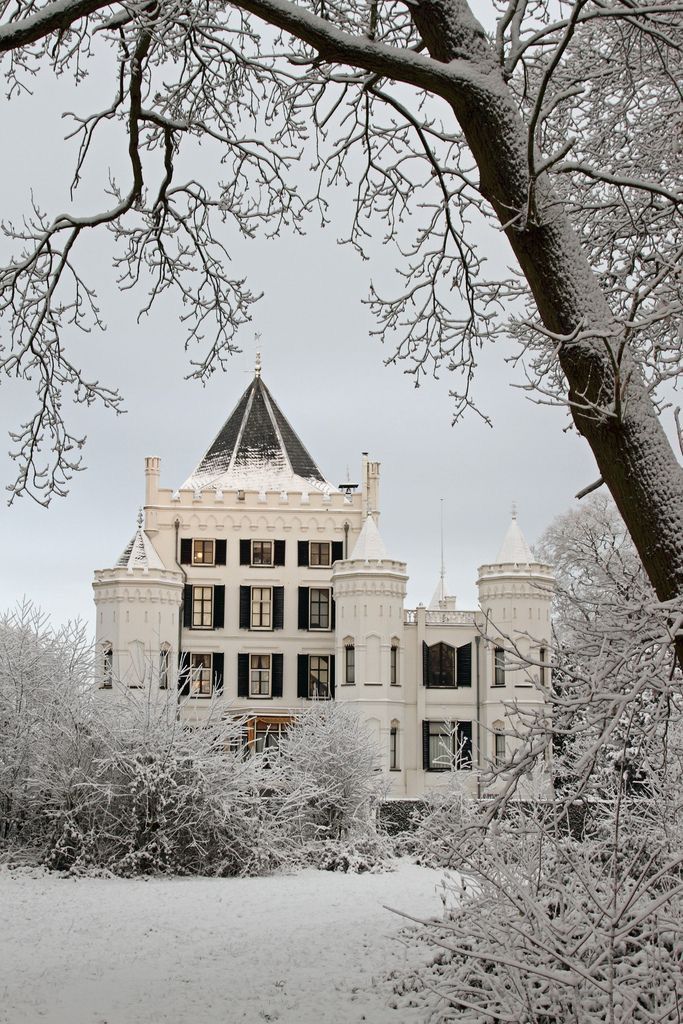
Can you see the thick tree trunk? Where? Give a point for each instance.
(630, 447)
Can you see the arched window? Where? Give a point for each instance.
(393, 663)
(499, 752)
(164, 665)
(394, 764)
(499, 666)
(349, 661)
(107, 666)
(440, 665)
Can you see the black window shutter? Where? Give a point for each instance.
(221, 551)
(242, 675)
(303, 552)
(302, 675)
(333, 615)
(465, 665)
(425, 664)
(218, 661)
(279, 553)
(425, 746)
(303, 607)
(333, 680)
(187, 606)
(337, 550)
(276, 688)
(219, 608)
(183, 674)
(245, 552)
(185, 551)
(278, 607)
(464, 736)
(245, 607)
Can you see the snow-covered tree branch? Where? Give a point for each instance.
(556, 128)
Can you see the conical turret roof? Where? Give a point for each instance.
(369, 547)
(441, 599)
(139, 553)
(514, 547)
(257, 449)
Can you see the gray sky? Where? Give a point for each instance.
(326, 373)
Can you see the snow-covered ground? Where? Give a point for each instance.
(310, 948)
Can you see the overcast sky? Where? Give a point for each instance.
(324, 370)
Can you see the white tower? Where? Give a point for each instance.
(369, 591)
(515, 595)
(137, 627)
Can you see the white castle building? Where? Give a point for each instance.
(260, 583)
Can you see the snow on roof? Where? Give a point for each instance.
(369, 547)
(514, 547)
(257, 449)
(139, 553)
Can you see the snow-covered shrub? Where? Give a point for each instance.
(357, 854)
(182, 798)
(89, 781)
(329, 765)
(549, 929)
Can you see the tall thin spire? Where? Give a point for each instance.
(443, 566)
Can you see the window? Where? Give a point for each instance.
(107, 666)
(349, 665)
(320, 553)
(393, 665)
(393, 748)
(259, 675)
(499, 667)
(441, 665)
(499, 748)
(164, 656)
(447, 746)
(261, 607)
(261, 552)
(318, 677)
(268, 735)
(200, 675)
(319, 610)
(202, 552)
(202, 607)
(542, 655)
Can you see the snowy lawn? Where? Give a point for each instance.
(309, 948)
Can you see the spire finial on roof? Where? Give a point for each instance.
(141, 518)
(257, 366)
(514, 509)
(443, 567)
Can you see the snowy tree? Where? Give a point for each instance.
(331, 765)
(43, 672)
(555, 126)
(572, 904)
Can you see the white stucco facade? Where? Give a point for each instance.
(261, 585)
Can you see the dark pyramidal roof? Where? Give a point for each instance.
(257, 449)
